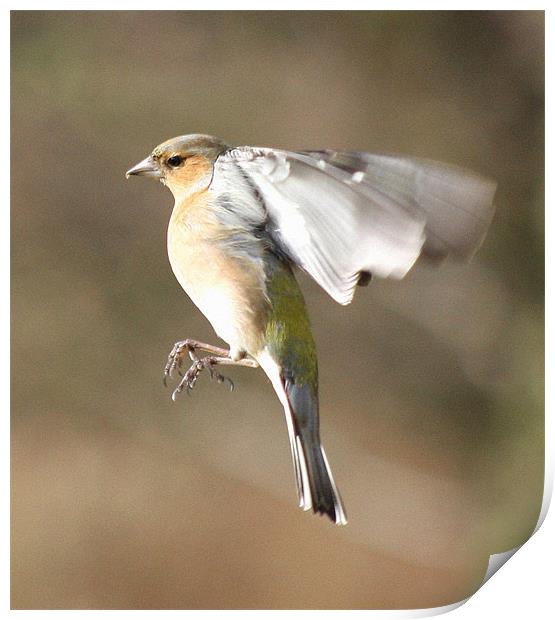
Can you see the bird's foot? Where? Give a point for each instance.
(217, 356)
(190, 378)
(189, 347)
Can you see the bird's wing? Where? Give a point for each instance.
(456, 203)
(339, 214)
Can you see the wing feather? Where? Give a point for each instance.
(456, 203)
(338, 214)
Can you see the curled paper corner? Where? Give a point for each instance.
(496, 560)
(438, 611)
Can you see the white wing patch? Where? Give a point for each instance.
(294, 227)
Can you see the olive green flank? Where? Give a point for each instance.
(288, 334)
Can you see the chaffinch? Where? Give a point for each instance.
(245, 216)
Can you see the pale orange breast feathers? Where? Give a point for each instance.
(227, 290)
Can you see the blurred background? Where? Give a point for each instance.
(431, 388)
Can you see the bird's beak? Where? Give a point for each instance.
(146, 168)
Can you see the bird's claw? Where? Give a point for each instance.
(214, 374)
(189, 379)
(175, 359)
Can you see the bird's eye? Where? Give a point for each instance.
(174, 161)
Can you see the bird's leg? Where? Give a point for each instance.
(217, 356)
(210, 362)
(190, 347)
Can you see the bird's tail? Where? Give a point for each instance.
(315, 484)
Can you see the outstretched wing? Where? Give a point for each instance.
(339, 214)
(457, 204)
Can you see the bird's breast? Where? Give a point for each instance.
(229, 290)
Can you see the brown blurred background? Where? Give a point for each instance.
(431, 388)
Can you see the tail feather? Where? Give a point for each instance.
(317, 490)
(316, 487)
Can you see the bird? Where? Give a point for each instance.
(246, 218)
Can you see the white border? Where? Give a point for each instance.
(521, 588)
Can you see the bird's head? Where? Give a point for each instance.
(184, 164)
